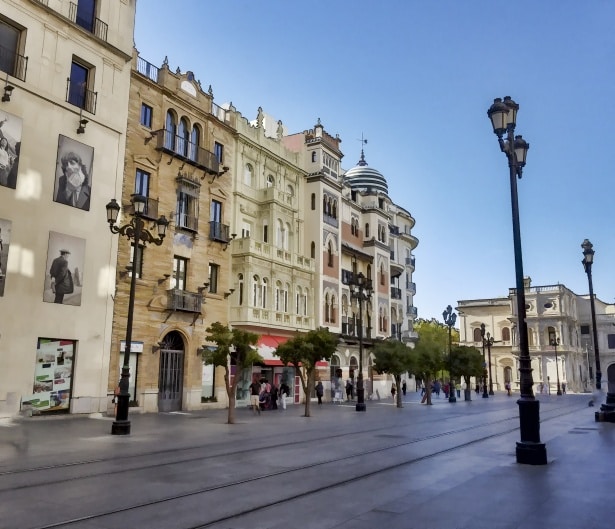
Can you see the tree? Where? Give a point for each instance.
(430, 351)
(467, 362)
(233, 347)
(303, 351)
(394, 358)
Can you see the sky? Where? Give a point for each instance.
(415, 78)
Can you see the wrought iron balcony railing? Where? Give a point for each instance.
(181, 147)
(13, 63)
(183, 300)
(80, 96)
(89, 23)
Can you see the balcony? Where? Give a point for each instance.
(411, 287)
(412, 311)
(395, 293)
(185, 150)
(149, 212)
(184, 301)
(80, 96)
(13, 63)
(87, 21)
(219, 232)
(187, 222)
(147, 69)
(410, 262)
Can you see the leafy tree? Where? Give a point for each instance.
(394, 358)
(430, 351)
(467, 362)
(237, 346)
(303, 351)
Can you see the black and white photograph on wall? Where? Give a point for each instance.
(5, 241)
(74, 163)
(64, 269)
(10, 144)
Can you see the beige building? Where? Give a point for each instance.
(180, 152)
(65, 83)
(559, 337)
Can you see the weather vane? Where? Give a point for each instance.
(363, 141)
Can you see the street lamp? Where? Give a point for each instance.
(482, 335)
(450, 318)
(607, 411)
(555, 343)
(489, 341)
(503, 116)
(136, 232)
(360, 289)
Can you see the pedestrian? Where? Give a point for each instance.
(255, 390)
(507, 387)
(458, 389)
(477, 389)
(393, 390)
(319, 392)
(403, 388)
(563, 387)
(436, 388)
(61, 278)
(349, 389)
(274, 397)
(284, 392)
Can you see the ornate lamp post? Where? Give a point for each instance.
(607, 411)
(555, 343)
(360, 289)
(450, 318)
(482, 335)
(489, 341)
(136, 232)
(503, 116)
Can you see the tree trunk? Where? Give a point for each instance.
(308, 391)
(467, 393)
(398, 392)
(230, 392)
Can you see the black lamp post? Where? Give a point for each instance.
(450, 318)
(360, 289)
(555, 343)
(607, 411)
(136, 232)
(482, 335)
(489, 341)
(503, 116)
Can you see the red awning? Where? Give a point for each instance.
(270, 340)
(272, 362)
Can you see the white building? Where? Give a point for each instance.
(559, 337)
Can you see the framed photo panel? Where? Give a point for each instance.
(73, 180)
(64, 269)
(10, 145)
(5, 241)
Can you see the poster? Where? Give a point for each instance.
(10, 145)
(64, 269)
(5, 240)
(73, 178)
(53, 376)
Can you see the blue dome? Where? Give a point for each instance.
(361, 176)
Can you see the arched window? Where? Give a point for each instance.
(265, 231)
(270, 181)
(313, 201)
(330, 254)
(193, 148)
(279, 234)
(382, 276)
(240, 283)
(477, 336)
(255, 291)
(264, 293)
(334, 209)
(181, 147)
(248, 174)
(278, 296)
(369, 271)
(287, 233)
(313, 156)
(324, 204)
(170, 129)
(506, 334)
(286, 294)
(327, 308)
(313, 250)
(290, 190)
(366, 230)
(333, 317)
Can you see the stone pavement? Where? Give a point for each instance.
(478, 487)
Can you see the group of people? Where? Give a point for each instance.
(266, 396)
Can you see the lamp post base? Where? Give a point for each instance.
(531, 453)
(452, 397)
(360, 406)
(120, 428)
(606, 413)
(485, 395)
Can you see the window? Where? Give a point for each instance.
(182, 140)
(265, 232)
(187, 211)
(248, 175)
(477, 336)
(313, 156)
(611, 340)
(330, 254)
(180, 267)
(80, 83)
(313, 201)
(11, 61)
(219, 152)
(170, 129)
(146, 115)
(86, 14)
(313, 250)
(366, 230)
(216, 231)
(214, 270)
(584, 329)
(270, 181)
(506, 334)
(193, 145)
(136, 264)
(240, 282)
(142, 181)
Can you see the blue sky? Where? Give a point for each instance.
(416, 79)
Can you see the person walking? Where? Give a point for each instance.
(274, 397)
(393, 391)
(349, 389)
(404, 387)
(284, 392)
(319, 392)
(255, 390)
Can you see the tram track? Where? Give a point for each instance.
(359, 455)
